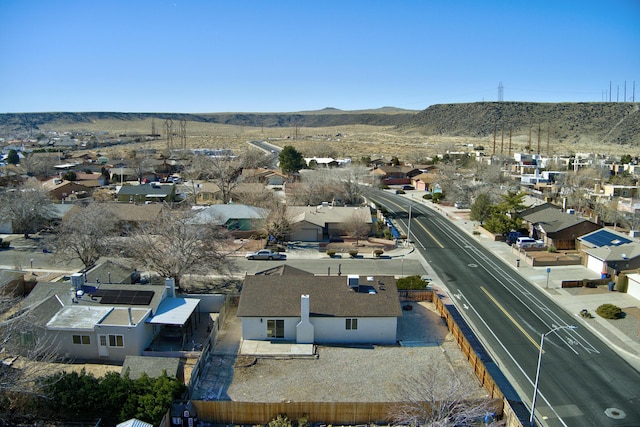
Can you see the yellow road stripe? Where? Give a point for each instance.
(510, 317)
(421, 226)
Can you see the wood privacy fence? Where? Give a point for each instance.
(341, 413)
(504, 399)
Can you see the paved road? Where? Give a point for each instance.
(400, 262)
(583, 382)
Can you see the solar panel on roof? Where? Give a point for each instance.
(605, 238)
(124, 296)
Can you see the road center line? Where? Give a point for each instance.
(510, 317)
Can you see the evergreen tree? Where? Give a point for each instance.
(13, 158)
(291, 160)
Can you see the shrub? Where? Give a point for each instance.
(428, 196)
(353, 253)
(331, 252)
(411, 282)
(400, 192)
(552, 249)
(377, 252)
(280, 421)
(609, 311)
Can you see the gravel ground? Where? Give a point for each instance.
(342, 374)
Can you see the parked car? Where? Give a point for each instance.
(461, 205)
(528, 242)
(265, 254)
(408, 187)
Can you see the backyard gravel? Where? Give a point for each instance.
(353, 374)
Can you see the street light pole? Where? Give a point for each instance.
(535, 387)
(409, 226)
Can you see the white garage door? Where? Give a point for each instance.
(305, 235)
(595, 264)
(633, 289)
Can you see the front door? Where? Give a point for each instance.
(103, 349)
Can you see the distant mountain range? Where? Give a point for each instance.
(605, 122)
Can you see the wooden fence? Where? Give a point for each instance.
(407, 295)
(359, 413)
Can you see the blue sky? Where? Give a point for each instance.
(281, 56)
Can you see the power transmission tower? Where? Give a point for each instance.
(183, 134)
(500, 92)
(168, 124)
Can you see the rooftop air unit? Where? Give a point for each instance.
(353, 281)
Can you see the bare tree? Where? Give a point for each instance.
(40, 164)
(84, 234)
(438, 397)
(357, 228)
(28, 353)
(254, 158)
(27, 208)
(140, 164)
(175, 245)
(350, 180)
(316, 187)
(280, 222)
(262, 198)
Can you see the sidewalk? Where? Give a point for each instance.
(623, 335)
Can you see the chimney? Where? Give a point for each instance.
(170, 286)
(304, 328)
(304, 308)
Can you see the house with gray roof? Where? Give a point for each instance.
(232, 217)
(317, 223)
(98, 321)
(307, 309)
(556, 228)
(613, 259)
(146, 193)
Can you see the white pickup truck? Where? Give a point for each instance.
(265, 254)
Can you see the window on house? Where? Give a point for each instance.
(351, 324)
(275, 328)
(81, 339)
(116, 341)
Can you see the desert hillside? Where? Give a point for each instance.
(606, 122)
(500, 127)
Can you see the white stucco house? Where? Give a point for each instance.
(320, 309)
(108, 322)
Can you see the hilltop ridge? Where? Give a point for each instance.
(575, 123)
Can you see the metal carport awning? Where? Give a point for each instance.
(174, 311)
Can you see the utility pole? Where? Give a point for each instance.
(494, 140)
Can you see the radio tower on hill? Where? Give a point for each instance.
(500, 92)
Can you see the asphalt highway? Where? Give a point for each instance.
(582, 381)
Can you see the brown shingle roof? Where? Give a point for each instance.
(278, 296)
